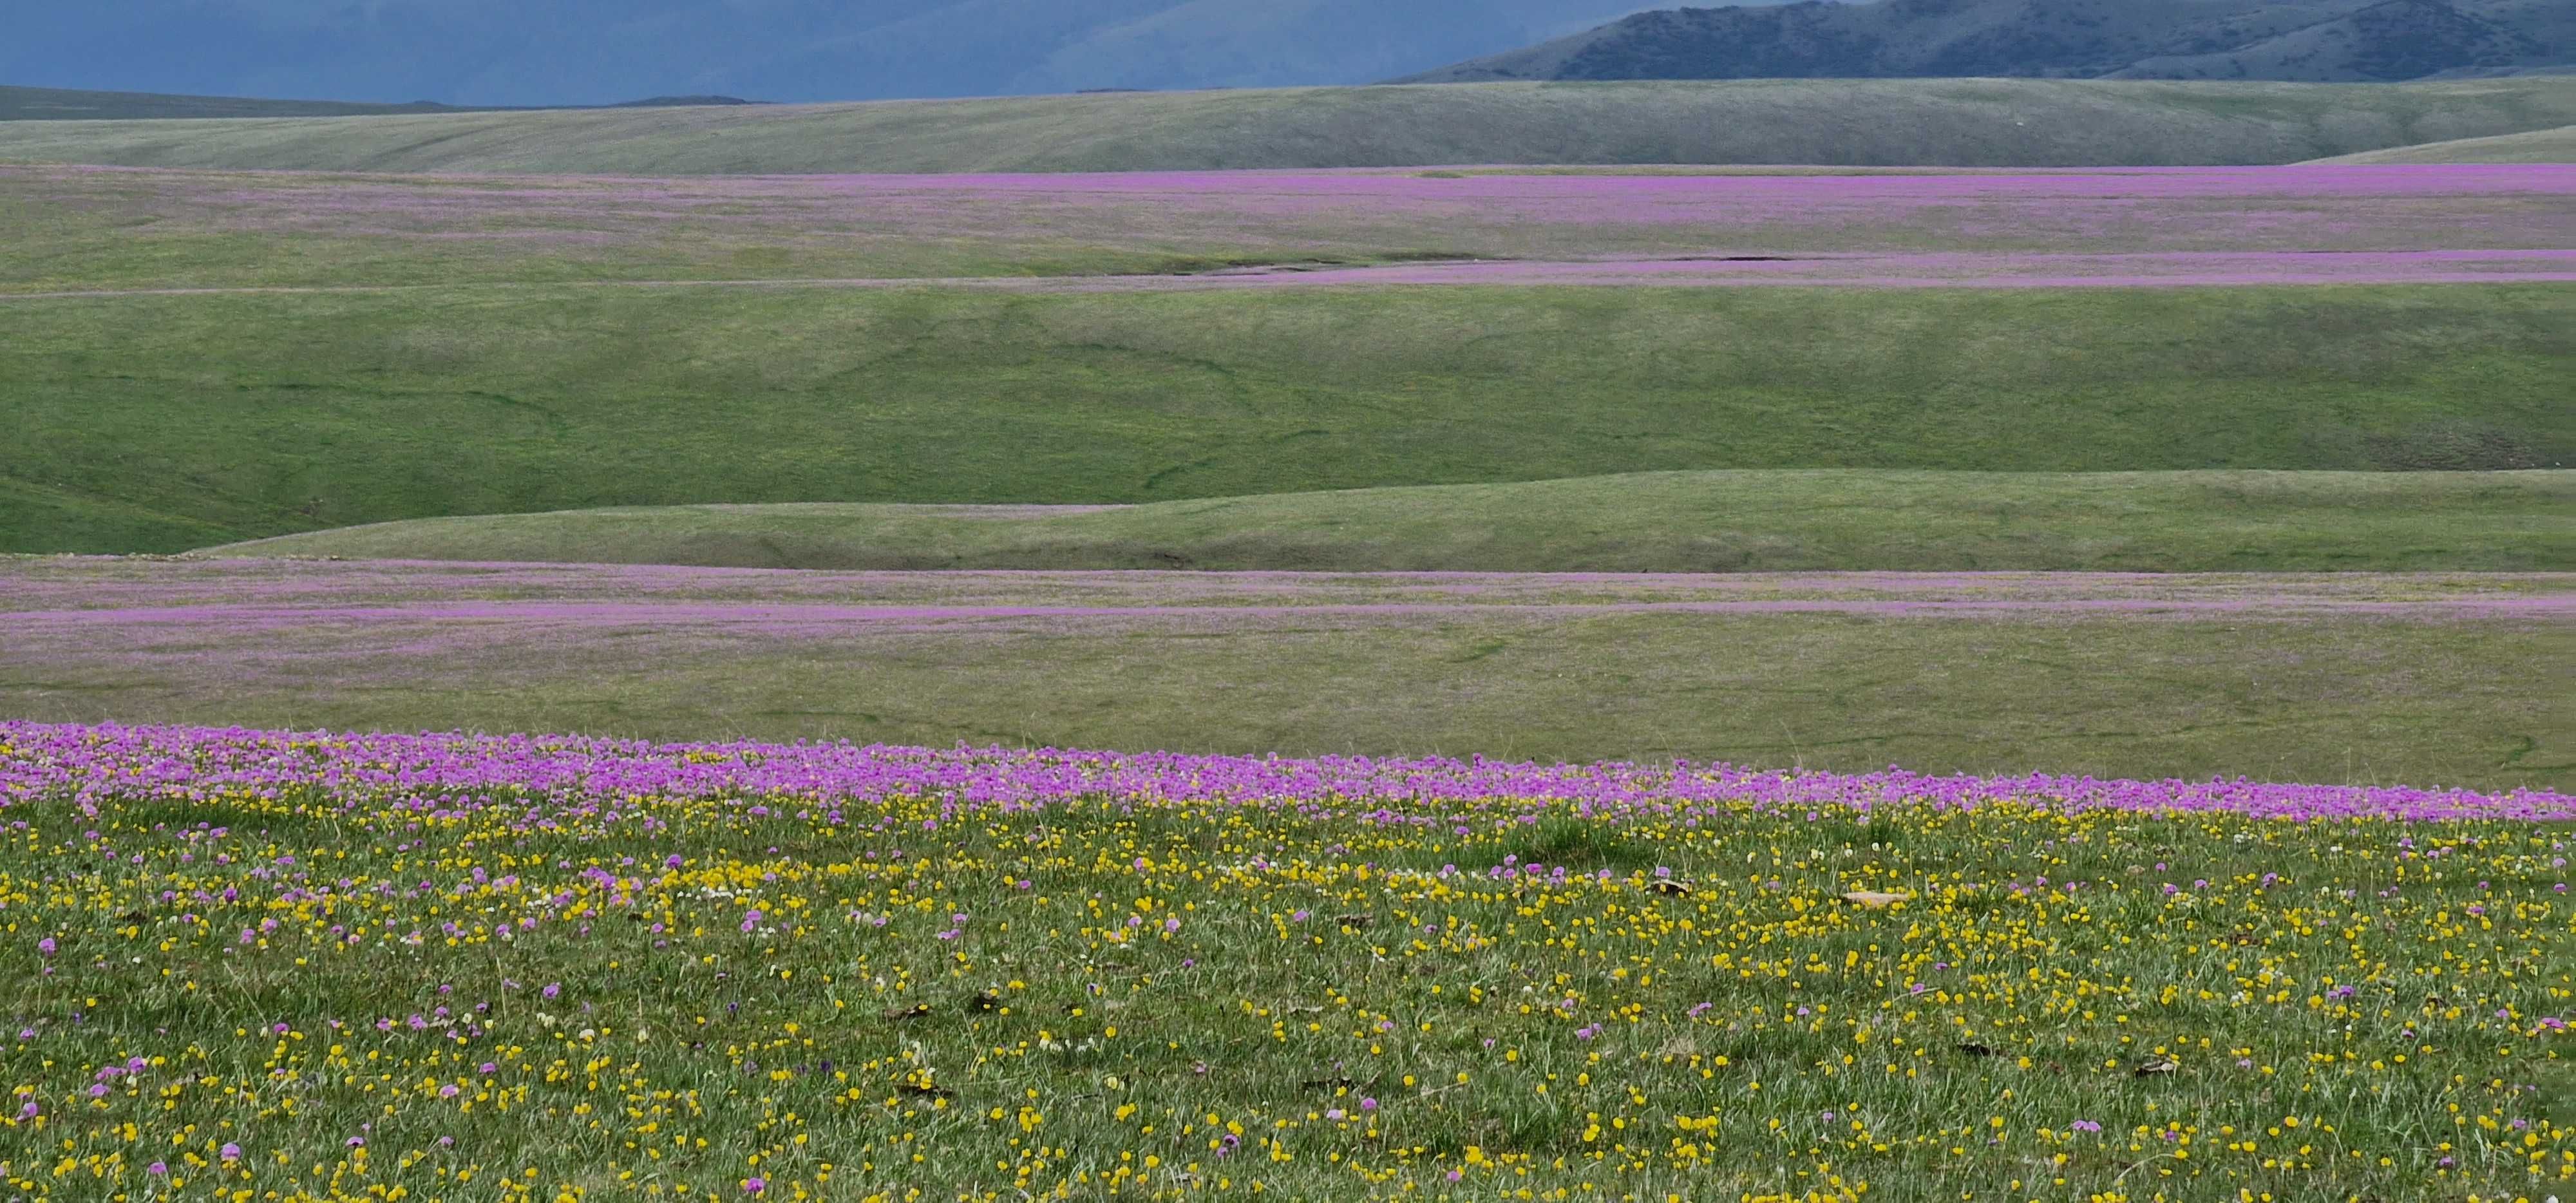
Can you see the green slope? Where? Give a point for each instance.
(174, 422)
(1756, 521)
(2534, 146)
(1953, 122)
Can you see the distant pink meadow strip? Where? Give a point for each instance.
(2188, 269)
(814, 619)
(542, 779)
(925, 226)
(69, 585)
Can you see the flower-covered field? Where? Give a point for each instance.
(115, 231)
(269, 966)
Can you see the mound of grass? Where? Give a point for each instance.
(1751, 521)
(175, 422)
(1879, 122)
(2534, 146)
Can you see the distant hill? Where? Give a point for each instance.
(2539, 146)
(2293, 40)
(65, 104)
(682, 102)
(1964, 123)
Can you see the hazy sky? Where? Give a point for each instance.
(592, 51)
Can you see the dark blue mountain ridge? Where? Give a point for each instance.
(67, 104)
(2296, 40)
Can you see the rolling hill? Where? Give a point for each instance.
(2310, 40)
(66, 104)
(1776, 521)
(2536, 146)
(159, 423)
(2003, 123)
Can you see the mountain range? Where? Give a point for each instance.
(581, 52)
(2297, 40)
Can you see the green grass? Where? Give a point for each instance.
(2271, 683)
(1869, 122)
(2534, 146)
(162, 423)
(1734, 521)
(85, 231)
(666, 997)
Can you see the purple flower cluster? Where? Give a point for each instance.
(550, 777)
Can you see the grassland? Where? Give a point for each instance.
(2534, 146)
(1738, 521)
(342, 349)
(2336, 678)
(161, 423)
(553, 968)
(83, 230)
(376, 349)
(1883, 122)
(711, 974)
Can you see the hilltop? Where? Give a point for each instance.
(67, 104)
(2536, 146)
(71, 104)
(1963, 123)
(1759, 521)
(2306, 40)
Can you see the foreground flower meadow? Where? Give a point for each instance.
(270, 966)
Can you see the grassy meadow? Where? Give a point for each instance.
(1929, 122)
(204, 357)
(2533, 146)
(2343, 677)
(2093, 500)
(164, 423)
(348, 967)
(1724, 521)
(82, 231)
